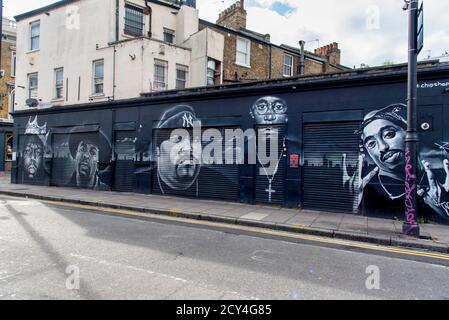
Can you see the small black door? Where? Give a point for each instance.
(125, 152)
(270, 185)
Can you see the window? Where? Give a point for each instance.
(181, 76)
(160, 74)
(133, 21)
(35, 32)
(9, 144)
(243, 52)
(211, 72)
(98, 77)
(32, 86)
(288, 65)
(169, 36)
(13, 64)
(59, 83)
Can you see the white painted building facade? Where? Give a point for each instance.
(81, 51)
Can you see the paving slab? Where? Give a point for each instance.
(328, 221)
(279, 217)
(254, 216)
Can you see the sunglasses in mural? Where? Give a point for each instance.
(269, 110)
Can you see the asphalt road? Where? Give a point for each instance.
(44, 247)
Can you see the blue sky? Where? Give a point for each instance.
(368, 31)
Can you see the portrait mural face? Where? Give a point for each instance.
(384, 142)
(33, 152)
(179, 155)
(85, 152)
(269, 110)
(86, 163)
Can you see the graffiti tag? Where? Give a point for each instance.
(409, 188)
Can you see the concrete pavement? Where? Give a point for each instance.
(333, 225)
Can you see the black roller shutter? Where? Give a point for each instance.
(215, 181)
(124, 165)
(324, 147)
(262, 179)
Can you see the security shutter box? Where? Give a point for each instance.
(325, 147)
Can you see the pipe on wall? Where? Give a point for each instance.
(150, 12)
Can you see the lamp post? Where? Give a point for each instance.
(411, 226)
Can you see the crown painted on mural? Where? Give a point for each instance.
(34, 128)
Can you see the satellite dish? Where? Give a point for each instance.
(32, 103)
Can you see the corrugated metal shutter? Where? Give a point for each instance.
(324, 147)
(216, 181)
(62, 167)
(277, 190)
(124, 165)
(63, 164)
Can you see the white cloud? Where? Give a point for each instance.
(348, 22)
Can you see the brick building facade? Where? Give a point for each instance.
(265, 59)
(7, 78)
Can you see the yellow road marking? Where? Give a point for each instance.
(173, 217)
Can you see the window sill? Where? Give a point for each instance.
(96, 96)
(33, 51)
(57, 100)
(243, 65)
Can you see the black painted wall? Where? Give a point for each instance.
(100, 145)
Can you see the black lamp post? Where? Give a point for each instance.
(411, 226)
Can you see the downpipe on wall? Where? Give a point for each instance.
(411, 226)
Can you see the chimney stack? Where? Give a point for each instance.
(331, 52)
(234, 17)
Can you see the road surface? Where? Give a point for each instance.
(51, 251)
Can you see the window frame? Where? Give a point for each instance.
(247, 54)
(13, 63)
(94, 78)
(129, 31)
(159, 85)
(29, 76)
(285, 65)
(60, 85)
(31, 37)
(170, 32)
(185, 69)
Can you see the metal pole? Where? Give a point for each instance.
(302, 58)
(411, 226)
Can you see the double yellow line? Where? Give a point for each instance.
(174, 218)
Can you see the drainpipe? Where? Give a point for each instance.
(302, 43)
(117, 12)
(150, 34)
(270, 64)
(1, 29)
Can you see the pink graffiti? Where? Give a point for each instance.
(409, 188)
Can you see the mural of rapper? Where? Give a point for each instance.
(85, 153)
(33, 157)
(179, 156)
(382, 136)
(269, 110)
